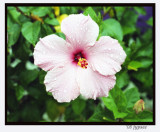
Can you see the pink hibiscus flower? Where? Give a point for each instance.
(79, 64)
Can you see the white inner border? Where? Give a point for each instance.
(77, 128)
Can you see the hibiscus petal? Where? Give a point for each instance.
(51, 51)
(92, 84)
(62, 83)
(80, 30)
(106, 56)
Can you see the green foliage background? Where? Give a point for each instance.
(27, 99)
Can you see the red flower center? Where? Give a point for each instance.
(79, 58)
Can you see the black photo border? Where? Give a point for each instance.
(153, 5)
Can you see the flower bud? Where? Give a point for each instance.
(139, 106)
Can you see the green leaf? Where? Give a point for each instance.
(146, 62)
(129, 18)
(119, 98)
(145, 51)
(27, 76)
(12, 102)
(36, 92)
(134, 65)
(99, 18)
(144, 116)
(89, 11)
(8, 60)
(69, 9)
(119, 11)
(12, 117)
(20, 92)
(45, 118)
(23, 19)
(26, 9)
(132, 96)
(15, 63)
(134, 46)
(21, 50)
(42, 75)
(54, 109)
(101, 115)
(14, 14)
(41, 11)
(10, 21)
(45, 30)
(78, 106)
(13, 34)
(31, 31)
(52, 21)
(145, 76)
(150, 21)
(140, 10)
(122, 79)
(147, 37)
(30, 112)
(61, 35)
(128, 30)
(112, 28)
(128, 22)
(30, 66)
(111, 13)
(116, 102)
(51, 15)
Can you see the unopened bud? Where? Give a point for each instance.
(139, 106)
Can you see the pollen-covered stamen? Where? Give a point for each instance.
(82, 63)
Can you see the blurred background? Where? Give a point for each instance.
(27, 99)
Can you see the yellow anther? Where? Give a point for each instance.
(82, 63)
